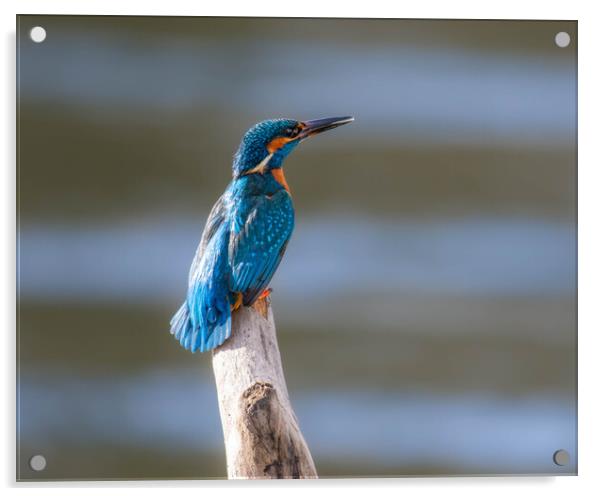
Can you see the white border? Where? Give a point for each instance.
(590, 245)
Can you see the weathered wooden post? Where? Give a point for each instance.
(261, 432)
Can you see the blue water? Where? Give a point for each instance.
(408, 93)
(174, 411)
(149, 259)
(401, 95)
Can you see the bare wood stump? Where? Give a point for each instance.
(261, 432)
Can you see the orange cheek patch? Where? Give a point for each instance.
(277, 143)
(279, 176)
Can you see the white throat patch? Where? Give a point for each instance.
(262, 166)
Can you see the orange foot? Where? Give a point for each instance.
(266, 292)
(237, 303)
(263, 303)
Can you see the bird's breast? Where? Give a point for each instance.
(279, 176)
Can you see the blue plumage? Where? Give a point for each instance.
(246, 234)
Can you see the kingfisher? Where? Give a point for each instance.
(245, 235)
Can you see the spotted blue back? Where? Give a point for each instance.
(242, 245)
(260, 231)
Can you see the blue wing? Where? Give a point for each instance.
(216, 218)
(259, 233)
(203, 321)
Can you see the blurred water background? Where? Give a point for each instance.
(426, 307)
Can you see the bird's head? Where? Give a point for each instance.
(265, 146)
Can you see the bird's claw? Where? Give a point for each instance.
(236, 305)
(265, 293)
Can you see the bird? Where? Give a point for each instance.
(246, 233)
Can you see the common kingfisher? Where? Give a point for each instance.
(246, 233)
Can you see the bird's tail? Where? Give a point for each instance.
(204, 326)
(181, 327)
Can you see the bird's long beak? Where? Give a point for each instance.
(320, 125)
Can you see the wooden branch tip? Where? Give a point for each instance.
(261, 432)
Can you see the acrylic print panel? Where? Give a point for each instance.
(426, 304)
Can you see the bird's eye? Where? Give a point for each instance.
(291, 132)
